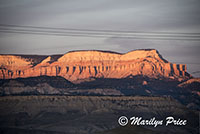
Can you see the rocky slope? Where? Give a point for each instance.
(89, 114)
(192, 81)
(186, 92)
(78, 65)
(35, 85)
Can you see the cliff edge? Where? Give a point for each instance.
(85, 64)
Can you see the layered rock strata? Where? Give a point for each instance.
(92, 63)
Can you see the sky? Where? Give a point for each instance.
(176, 16)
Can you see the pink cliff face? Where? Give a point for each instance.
(99, 64)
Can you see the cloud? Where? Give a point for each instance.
(132, 15)
(157, 15)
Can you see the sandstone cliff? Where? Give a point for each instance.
(92, 63)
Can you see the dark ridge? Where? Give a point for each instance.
(55, 58)
(54, 81)
(27, 55)
(36, 59)
(131, 84)
(148, 49)
(39, 58)
(59, 55)
(104, 51)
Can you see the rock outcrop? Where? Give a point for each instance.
(189, 82)
(78, 65)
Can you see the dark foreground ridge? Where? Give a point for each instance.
(186, 92)
(90, 114)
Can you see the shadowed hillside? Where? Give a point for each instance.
(89, 115)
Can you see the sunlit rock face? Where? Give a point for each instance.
(78, 65)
